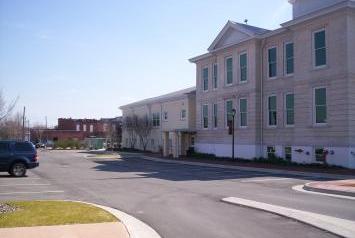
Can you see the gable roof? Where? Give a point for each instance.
(162, 98)
(250, 31)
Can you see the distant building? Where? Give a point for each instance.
(81, 129)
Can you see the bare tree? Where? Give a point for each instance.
(38, 131)
(6, 108)
(11, 127)
(129, 125)
(143, 129)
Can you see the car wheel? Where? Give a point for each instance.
(18, 169)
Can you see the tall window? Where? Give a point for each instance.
(229, 70)
(320, 51)
(77, 127)
(91, 128)
(290, 109)
(272, 59)
(243, 111)
(289, 58)
(156, 119)
(84, 127)
(205, 79)
(229, 112)
(183, 114)
(243, 67)
(288, 153)
(205, 116)
(215, 76)
(165, 116)
(215, 116)
(320, 107)
(271, 152)
(272, 107)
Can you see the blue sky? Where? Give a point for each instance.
(85, 58)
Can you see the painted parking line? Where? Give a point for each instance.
(39, 192)
(263, 180)
(34, 184)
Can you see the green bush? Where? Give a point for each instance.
(73, 144)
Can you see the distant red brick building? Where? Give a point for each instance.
(79, 129)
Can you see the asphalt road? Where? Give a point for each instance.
(178, 201)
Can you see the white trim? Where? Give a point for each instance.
(315, 124)
(183, 118)
(314, 49)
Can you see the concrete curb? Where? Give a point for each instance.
(135, 227)
(300, 188)
(309, 187)
(337, 226)
(273, 171)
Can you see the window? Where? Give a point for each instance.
(84, 127)
(156, 119)
(215, 76)
(91, 128)
(165, 116)
(271, 152)
(205, 116)
(290, 109)
(288, 153)
(272, 107)
(77, 127)
(320, 50)
(319, 154)
(23, 147)
(105, 127)
(183, 114)
(4, 147)
(215, 115)
(289, 58)
(272, 59)
(205, 79)
(229, 112)
(243, 67)
(320, 107)
(243, 112)
(229, 71)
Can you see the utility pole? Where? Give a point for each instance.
(23, 123)
(46, 123)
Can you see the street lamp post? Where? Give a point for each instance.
(233, 119)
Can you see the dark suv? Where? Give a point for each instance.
(16, 157)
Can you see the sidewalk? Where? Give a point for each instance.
(339, 187)
(102, 230)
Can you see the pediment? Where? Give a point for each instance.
(233, 33)
(232, 36)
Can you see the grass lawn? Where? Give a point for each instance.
(46, 213)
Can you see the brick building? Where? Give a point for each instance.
(80, 129)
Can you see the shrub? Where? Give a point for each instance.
(73, 144)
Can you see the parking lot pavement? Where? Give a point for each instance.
(28, 188)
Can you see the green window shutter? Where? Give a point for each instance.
(229, 70)
(272, 59)
(290, 117)
(289, 58)
(320, 48)
(243, 67)
(321, 105)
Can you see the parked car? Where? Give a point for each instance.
(16, 157)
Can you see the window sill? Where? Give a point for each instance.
(271, 127)
(272, 78)
(322, 67)
(289, 75)
(243, 82)
(320, 125)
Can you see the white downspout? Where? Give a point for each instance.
(262, 99)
